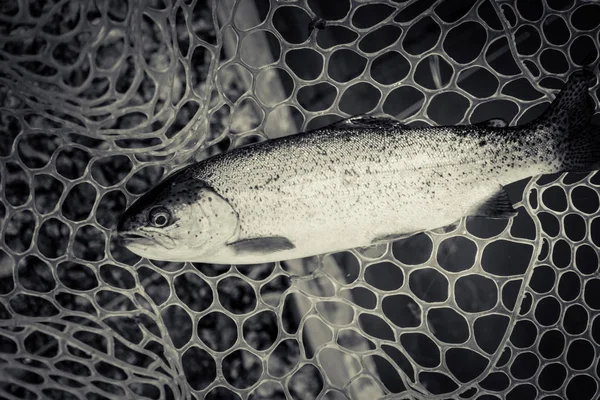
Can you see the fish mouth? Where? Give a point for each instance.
(127, 237)
(140, 238)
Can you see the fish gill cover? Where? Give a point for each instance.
(100, 99)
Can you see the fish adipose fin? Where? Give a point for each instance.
(262, 245)
(370, 122)
(498, 206)
(493, 123)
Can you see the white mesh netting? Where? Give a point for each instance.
(100, 98)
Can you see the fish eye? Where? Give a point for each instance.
(159, 216)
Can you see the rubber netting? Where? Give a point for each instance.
(100, 99)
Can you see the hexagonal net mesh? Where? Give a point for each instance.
(99, 99)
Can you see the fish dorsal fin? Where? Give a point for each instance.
(496, 206)
(261, 245)
(493, 123)
(370, 121)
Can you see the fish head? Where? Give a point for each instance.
(181, 219)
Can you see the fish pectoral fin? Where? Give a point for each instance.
(262, 245)
(370, 121)
(392, 237)
(497, 206)
(493, 123)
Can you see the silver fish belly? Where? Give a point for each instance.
(364, 181)
(351, 188)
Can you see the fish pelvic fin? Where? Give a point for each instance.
(378, 121)
(392, 237)
(575, 140)
(494, 123)
(498, 206)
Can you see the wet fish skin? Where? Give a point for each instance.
(356, 183)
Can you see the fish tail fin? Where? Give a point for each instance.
(576, 141)
(582, 151)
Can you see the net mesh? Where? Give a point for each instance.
(100, 99)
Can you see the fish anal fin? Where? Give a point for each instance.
(262, 245)
(497, 206)
(493, 123)
(370, 122)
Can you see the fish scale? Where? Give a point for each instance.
(371, 172)
(359, 182)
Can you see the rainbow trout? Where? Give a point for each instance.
(358, 182)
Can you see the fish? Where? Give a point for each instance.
(363, 181)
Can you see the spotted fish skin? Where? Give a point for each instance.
(368, 179)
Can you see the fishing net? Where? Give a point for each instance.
(99, 99)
